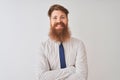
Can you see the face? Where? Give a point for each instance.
(59, 30)
(58, 16)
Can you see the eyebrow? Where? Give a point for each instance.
(60, 16)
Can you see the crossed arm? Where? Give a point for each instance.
(77, 72)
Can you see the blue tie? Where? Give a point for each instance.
(62, 56)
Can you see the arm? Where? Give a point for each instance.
(44, 69)
(81, 69)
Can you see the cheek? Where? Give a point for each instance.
(51, 23)
(65, 22)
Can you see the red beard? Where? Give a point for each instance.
(60, 35)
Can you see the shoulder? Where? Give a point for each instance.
(43, 41)
(46, 41)
(76, 40)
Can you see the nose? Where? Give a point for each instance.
(58, 20)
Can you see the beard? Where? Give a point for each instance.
(59, 35)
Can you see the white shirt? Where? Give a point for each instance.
(49, 61)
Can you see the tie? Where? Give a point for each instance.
(62, 56)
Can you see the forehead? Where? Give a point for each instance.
(58, 13)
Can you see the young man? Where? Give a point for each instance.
(62, 57)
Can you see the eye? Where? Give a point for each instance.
(54, 17)
(62, 17)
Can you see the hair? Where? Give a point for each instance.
(57, 7)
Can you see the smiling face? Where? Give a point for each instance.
(59, 30)
(58, 20)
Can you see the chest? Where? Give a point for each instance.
(52, 54)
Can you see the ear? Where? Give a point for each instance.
(67, 19)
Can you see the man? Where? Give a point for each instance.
(62, 57)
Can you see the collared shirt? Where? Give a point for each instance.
(49, 61)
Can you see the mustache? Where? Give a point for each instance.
(59, 23)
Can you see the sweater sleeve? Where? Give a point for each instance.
(81, 68)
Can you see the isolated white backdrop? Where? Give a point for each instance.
(24, 22)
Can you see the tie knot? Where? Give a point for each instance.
(61, 44)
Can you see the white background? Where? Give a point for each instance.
(24, 22)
